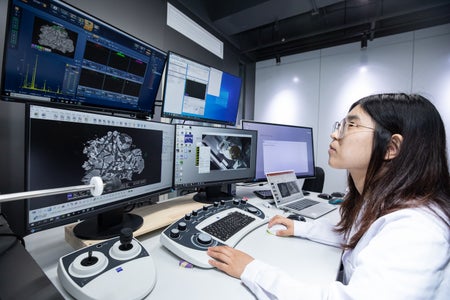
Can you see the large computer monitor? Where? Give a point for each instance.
(198, 92)
(56, 53)
(209, 157)
(67, 148)
(283, 147)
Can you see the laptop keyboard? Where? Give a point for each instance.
(226, 227)
(301, 204)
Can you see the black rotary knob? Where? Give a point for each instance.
(194, 213)
(187, 217)
(204, 239)
(174, 233)
(252, 210)
(205, 207)
(182, 226)
(236, 201)
(216, 203)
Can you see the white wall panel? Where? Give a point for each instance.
(288, 93)
(333, 78)
(431, 76)
(350, 75)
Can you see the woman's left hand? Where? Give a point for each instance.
(229, 260)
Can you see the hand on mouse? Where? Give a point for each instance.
(283, 221)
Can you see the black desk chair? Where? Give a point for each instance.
(315, 184)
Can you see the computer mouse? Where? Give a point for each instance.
(335, 201)
(337, 194)
(325, 196)
(273, 230)
(296, 217)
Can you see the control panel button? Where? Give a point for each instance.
(252, 210)
(174, 233)
(182, 226)
(204, 239)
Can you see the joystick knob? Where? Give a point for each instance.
(86, 266)
(126, 236)
(90, 260)
(126, 247)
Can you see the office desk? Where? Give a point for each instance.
(303, 259)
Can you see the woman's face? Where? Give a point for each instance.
(353, 150)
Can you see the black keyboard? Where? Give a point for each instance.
(227, 226)
(301, 204)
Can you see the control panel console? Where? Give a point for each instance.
(222, 223)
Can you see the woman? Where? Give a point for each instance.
(395, 220)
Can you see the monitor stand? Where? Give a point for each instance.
(211, 194)
(107, 225)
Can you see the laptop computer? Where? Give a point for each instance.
(288, 195)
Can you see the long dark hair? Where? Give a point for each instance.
(417, 177)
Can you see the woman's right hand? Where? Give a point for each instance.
(289, 231)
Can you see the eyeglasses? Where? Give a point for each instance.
(342, 127)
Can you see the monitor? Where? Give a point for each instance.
(67, 148)
(194, 91)
(283, 147)
(55, 53)
(208, 157)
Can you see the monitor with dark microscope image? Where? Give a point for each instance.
(68, 147)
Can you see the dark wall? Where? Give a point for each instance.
(146, 19)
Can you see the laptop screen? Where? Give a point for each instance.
(284, 186)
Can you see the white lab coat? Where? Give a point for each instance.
(403, 255)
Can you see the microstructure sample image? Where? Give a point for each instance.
(228, 152)
(50, 38)
(112, 157)
(288, 188)
(56, 38)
